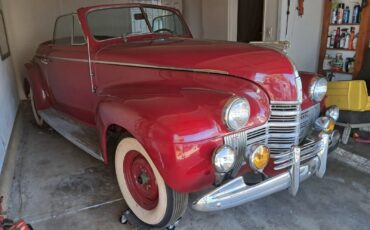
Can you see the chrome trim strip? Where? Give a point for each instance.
(212, 71)
(299, 87)
(285, 102)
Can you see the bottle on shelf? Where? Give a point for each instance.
(351, 38)
(337, 63)
(332, 38)
(334, 15)
(346, 44)
(356, 13)
(343, 38)
(340, 12)
(346, 15)
(351, 65)
(337, 39)
(355, 41)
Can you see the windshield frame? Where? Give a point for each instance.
(149, 26)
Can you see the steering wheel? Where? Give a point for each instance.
(163, 30)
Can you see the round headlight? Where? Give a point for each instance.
(224, 159)
(318, 89)
(236, 113)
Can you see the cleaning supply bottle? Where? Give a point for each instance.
(346, 44)
(337, 39)
(332, 39)
(340, 12)
(346, 15)
(343, 39)
(355, 41)
(351, 38)
(356, 13)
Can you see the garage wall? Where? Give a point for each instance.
(8, 104)
(271, 20)
(212, 19)
(215, 19)
(304, 33)
(192, 10)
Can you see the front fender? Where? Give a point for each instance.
(38, 85)
(180, 129)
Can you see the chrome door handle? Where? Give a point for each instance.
(44, 60)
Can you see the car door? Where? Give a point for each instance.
(68, 71)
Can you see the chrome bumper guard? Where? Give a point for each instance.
(236, 192)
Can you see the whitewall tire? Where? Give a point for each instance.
(144, 189)
(39, 121)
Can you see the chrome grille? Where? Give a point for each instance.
(280, 134)
(308, 151)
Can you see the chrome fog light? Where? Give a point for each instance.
(333, 112)
(325, 124)
(224, 159)
(258, 157)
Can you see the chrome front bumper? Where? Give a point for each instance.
(236, 192)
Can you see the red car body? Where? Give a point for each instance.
(166, 91)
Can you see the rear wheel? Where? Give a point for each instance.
(144, 189)
(39, 121)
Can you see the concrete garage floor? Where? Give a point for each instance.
(58, 186)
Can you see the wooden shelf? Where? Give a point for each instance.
(339, 49)
(362, 29)
(347, 24)
(337, 71)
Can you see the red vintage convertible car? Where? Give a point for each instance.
(237, 120)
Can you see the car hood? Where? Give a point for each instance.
(268, 68)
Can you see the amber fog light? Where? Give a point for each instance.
(224, 159)
(258, 157)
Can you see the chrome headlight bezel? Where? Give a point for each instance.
(333, 112)
(238, 120)
(318, 89)
(224, 159)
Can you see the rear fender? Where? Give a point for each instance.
(38, 85)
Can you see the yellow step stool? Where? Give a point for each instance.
(348, 95)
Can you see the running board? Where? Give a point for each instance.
(83, 136)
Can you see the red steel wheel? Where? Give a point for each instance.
(140, 180)
(143, 187)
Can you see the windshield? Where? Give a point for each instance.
(120, 22)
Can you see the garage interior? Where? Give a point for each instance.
(52, 184)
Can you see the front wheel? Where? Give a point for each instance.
(144, 189)
(38, 119)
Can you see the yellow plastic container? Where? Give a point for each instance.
(348, 95)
